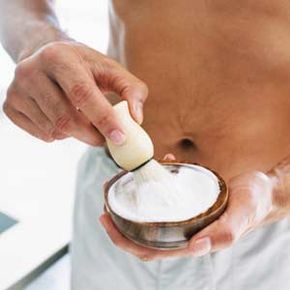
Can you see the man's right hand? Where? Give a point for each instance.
(57, 92)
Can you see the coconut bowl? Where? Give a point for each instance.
(166, 235)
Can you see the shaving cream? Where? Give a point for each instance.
(186, 192)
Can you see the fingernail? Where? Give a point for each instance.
(117, 137)
(138, 109)
(201, 246)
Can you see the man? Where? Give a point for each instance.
(218, 73)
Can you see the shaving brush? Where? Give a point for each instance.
(138, 148)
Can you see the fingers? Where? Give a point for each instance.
(129, 88)
(119, 240)
(254, 189)
(62, 85)
(111, 76)
(139, 251)
(20, 107)
(216, 236)
(248, 207)
(44, 104)
(225, 231)
(82, 91)
(28, 107)
(26, 124)
(169, 157)
(64, 117)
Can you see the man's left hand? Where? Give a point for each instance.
(250, 206)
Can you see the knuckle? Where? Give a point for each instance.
(46, 127)
(63, 123)
(25, 74)
(50, 52)
(6, 107)
(11, 90)
(47, 138)
(22, 71)
(59, 135)
(109, 62)
(11, 100)
(42, 136)
(80, 93)
(46, 100)
(102, 120)
(144, 88)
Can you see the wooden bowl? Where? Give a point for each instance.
(167, 235)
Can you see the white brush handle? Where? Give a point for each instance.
(138, 147)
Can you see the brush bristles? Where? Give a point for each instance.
(151, 171)
(155, 183)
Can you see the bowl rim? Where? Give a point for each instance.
(220, 202)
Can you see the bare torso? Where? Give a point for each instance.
(218, 74)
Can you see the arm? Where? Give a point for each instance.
(26, 25)
(59, 84)
(255, 199)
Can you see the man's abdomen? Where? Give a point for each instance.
(218, 76)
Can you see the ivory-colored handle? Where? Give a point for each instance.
(138, 147)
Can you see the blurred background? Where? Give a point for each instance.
(37, 179)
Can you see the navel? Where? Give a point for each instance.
(187, 144)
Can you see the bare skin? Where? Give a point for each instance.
(50, 101)
(59, 86)
(218, 74)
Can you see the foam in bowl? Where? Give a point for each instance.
(191, 191)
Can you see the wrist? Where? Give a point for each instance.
(45, 34)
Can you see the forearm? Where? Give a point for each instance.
(280, 175)
(26, 25)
